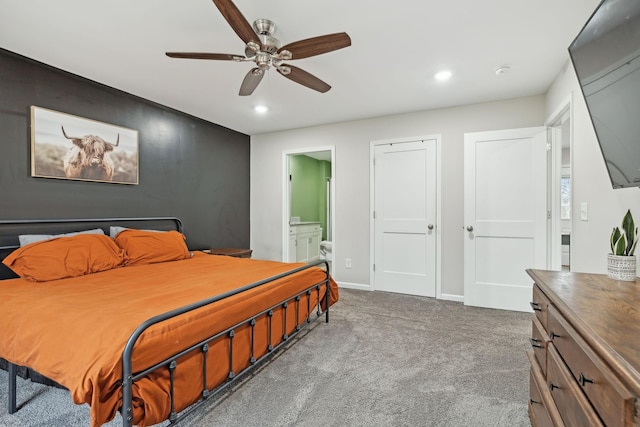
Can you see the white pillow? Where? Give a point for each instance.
(114, 230)
(26, 239)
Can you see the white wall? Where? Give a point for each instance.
(352, 142)
(591, 185)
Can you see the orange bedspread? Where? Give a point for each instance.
(74, 330)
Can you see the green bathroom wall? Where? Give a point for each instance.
(309, 189)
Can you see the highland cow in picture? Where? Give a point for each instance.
(89, 158)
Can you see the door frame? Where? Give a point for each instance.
(286, 196)
(563, 113)
(438, 222)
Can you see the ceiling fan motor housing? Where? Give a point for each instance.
(269, 44)
(264, 26)
(265, 30)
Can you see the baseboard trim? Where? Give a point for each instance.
(451, 297)
(359, 286)
(446, 297)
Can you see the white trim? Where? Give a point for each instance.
(560, 115)
(358, 286)
(286, 196)
(563, 107)
(452, 297)
(372, 144)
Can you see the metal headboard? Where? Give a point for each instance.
(11, 229)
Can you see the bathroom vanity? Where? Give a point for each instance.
(304, 241)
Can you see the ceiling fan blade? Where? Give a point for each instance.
(304, 78)
(236, 19)
(202, 55)
(317, 45)
(251, 81)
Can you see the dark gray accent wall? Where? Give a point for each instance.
(188, 167)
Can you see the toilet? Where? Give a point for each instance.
(325, 250)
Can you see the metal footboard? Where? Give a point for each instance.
(129, 378)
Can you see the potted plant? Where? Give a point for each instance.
(621, 262)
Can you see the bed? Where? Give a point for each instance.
(137, 323)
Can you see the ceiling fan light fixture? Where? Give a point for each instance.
(263, 61)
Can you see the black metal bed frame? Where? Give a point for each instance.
(170, 363)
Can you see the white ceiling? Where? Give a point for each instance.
(397, 47)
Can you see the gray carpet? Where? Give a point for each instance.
(383, 360)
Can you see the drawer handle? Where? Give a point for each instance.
(535, 306)
(534, 342)
(583, 380)
(553, 335)
(552, 386)
(533, 402)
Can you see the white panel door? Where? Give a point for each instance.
(505, 206)
(405, 217)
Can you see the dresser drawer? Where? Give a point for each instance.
(611, 399)
(572, 404)
(540, 305)
(542, 408)
(537, 410)
(539, 341)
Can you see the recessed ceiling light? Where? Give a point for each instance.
(261, 109)
(443, 75)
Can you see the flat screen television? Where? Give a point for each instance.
(606, 58)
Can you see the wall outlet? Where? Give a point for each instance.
(347, 263)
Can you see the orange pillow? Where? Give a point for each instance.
(147, 247)
(65, 257)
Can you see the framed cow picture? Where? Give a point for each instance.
(71, 147)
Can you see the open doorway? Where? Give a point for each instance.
(308, 208)
(560, 184)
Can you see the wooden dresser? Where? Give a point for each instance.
(585, 350)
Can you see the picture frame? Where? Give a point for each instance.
(65, 146)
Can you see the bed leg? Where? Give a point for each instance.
(12, 370)
(326, 303)
(327, 293)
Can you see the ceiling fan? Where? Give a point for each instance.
(267, 51)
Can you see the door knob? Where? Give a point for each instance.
(469, 228)
(430, 226)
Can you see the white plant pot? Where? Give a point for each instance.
(621, 267)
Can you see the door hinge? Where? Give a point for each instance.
(374, 214)
(548, 214)
(374, 267)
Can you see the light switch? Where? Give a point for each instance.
(584, 211)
